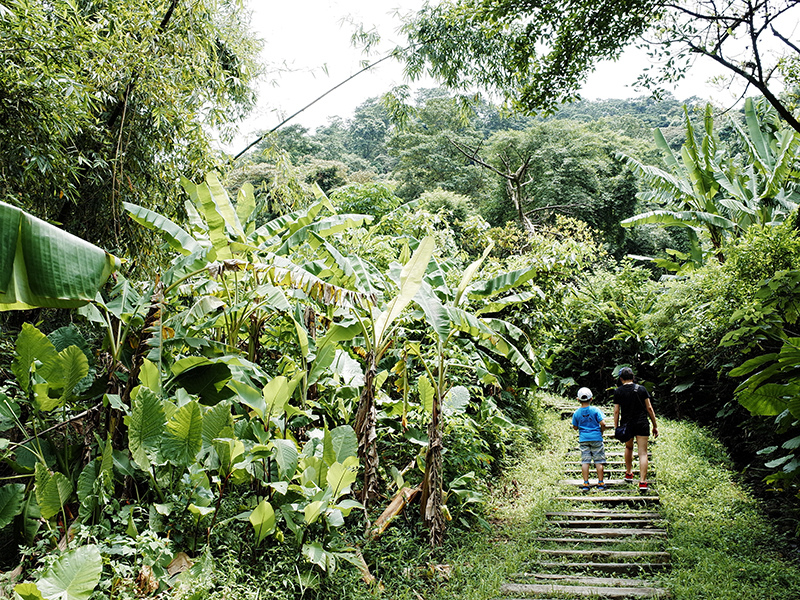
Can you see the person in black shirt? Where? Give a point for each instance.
(632, 406)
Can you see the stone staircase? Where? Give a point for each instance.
(598, 544)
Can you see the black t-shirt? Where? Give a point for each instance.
(631, 397)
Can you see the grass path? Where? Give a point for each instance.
(722, 547)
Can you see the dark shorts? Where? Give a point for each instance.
(641, 428)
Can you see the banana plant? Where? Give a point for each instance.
(707, 189)
(44, 266)
(451, 324)
(375, 324)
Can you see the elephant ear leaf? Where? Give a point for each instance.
(145, 426)
(184, 434)
(339, 443)
(31, 345)
(263, 520)
(52, 490)
(11, 497)
(74, 575)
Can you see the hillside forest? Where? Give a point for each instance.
(216, 374)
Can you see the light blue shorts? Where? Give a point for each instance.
(593, 452)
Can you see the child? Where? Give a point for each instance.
(588, 421)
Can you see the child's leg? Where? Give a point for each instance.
(600, 459)
(586, 459)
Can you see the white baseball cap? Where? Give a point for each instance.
(584, 394)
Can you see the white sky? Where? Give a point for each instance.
(311, 38)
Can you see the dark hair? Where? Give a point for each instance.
(626, 374)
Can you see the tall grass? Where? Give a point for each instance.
(722, 547)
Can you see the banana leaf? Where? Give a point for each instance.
(44, 266)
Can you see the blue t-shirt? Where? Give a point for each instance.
(587, 419)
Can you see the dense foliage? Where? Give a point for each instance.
(362, 325)
(105, 102)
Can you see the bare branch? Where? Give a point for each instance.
(784, 40)
(474, 156)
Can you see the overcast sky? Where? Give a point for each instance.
(307, 44)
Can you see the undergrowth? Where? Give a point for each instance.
(471, 565)
(722, 547)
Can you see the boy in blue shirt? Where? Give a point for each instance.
(589, 422)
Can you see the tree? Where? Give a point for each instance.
(108, 102)
(560, 166)
(426, 157)
(538, 53)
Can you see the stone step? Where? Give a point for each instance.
(536, 589)
(584, 580)
(582, 540)
(609, 555)
(592, 498)
(618, 532)
(604, 512)
(612, 463)
(593, 482)
(605, 567)
(644, 523)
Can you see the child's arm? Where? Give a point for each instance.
(603, 425)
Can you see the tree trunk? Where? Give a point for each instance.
(431, 496)
(366, 416)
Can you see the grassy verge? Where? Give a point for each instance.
(722, 547)
(519, 505)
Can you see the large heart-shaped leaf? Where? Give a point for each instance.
(52, 491)
(11, 497)
(342, 475)
(263, 520)
(145, 426)
(183, 437)
(339, 443)
(73, 576)
(286, 456)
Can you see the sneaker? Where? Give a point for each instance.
(601, 485)
(642, 486)
(628, 477)
(585, 486)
